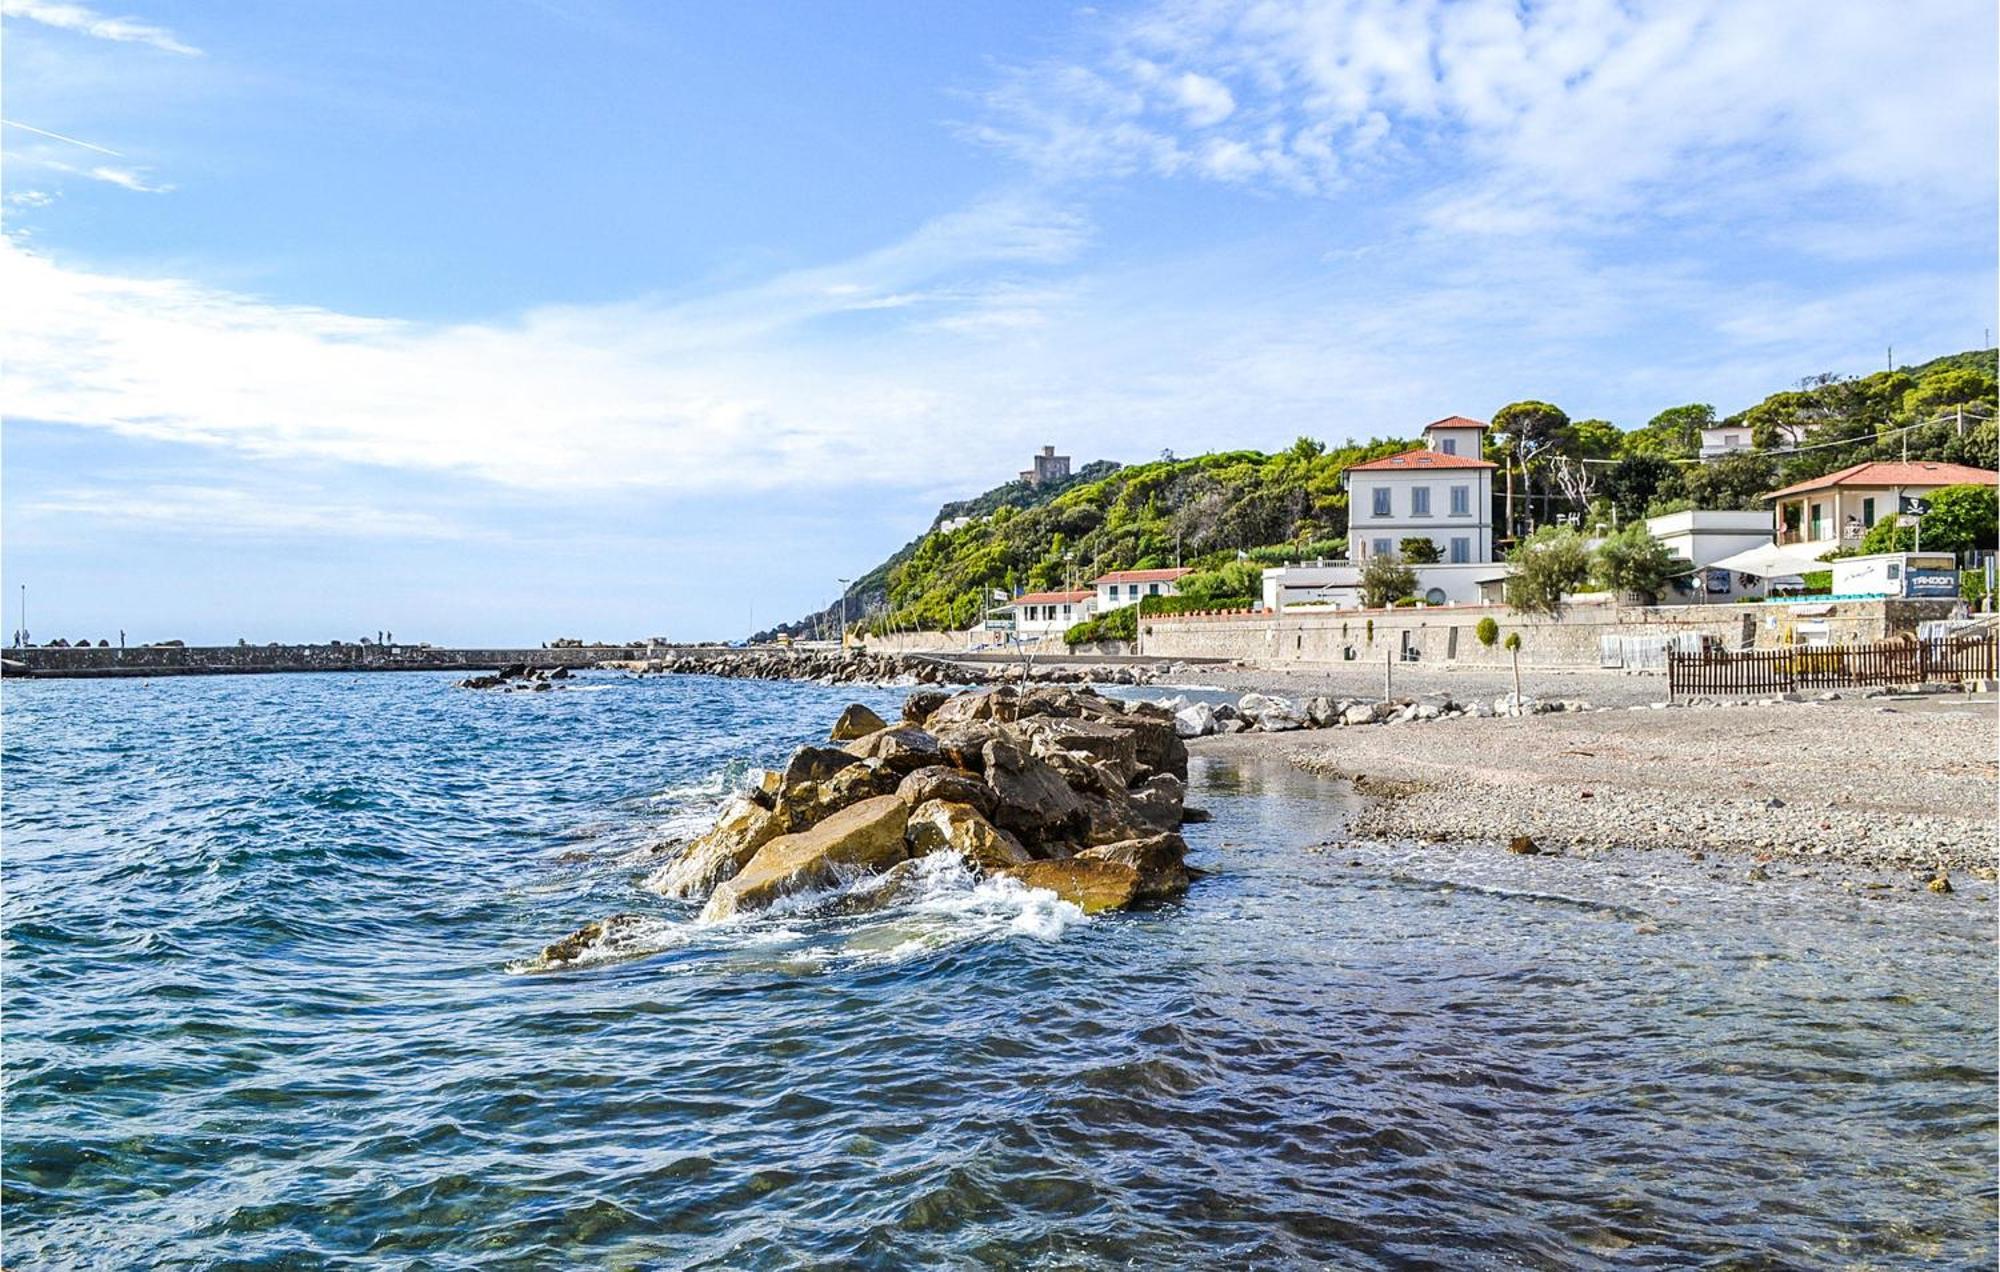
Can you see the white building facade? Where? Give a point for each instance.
(1442, 492)
(1120, 588)
(1702, 537)
(1050, 613)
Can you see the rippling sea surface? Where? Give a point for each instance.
(266, 1005)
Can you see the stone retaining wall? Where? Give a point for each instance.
(1446, 635)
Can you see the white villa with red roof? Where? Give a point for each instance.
(1120, 588)
(1837, 509)
(1049, 613)
(1442, 491)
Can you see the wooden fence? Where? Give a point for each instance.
(1888, 662)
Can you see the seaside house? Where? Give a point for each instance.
(1836, 510)
(1120, 588)
(1442, 491)
(1039, 614)
(1703, 537)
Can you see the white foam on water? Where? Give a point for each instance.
(637, 937)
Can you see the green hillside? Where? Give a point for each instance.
(1204, 512)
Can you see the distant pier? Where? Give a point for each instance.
(81, 661)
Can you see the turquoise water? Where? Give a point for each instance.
(266, 1006)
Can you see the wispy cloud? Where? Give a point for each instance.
(220, 511)
(83, 21)
(1524, 117)
(130, 178)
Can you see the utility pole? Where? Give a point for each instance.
(843, 612)
(1892, 359)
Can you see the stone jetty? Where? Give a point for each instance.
(1060, 788)
(855, 666)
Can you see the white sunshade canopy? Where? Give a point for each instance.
(1774, 560)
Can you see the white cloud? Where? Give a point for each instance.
(75, 17)
(129, 178)
(215, 510)
(1587, 109)
(29, 199)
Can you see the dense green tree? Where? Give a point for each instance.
(1633, 561)
(1674, 433)
(1419, 549)
(1591, 439)
(1548, 564)
(1385, 580)
(1736, 481)
(1636, 481)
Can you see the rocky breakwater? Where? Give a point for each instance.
(1058, 788)
(1265, 713)
(854, 666)
(519, 676)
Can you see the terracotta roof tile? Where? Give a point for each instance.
(1895, 473)
(1141, 576)
(1052, 598)
(1417, 461)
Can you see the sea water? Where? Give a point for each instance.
(271, 1000)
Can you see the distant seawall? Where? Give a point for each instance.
(224, 660)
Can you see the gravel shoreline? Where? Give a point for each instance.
(1885, 784)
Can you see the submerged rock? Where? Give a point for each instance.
(596, 934)
(1090, 885)
(1161, 861)
(865, 836)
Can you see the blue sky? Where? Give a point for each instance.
(491, 322)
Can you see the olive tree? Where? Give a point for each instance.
(1633, 561)
(1548, 564)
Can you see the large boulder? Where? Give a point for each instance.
(1092, 886)
(1154, 739)
(998, 704)
(1322, 712)
(1160, 860)
(857, 722)
(936, 781)
(811, 802)
(918, 706)
(1031, 799)
(815, 763)
(867, 836)
(1195, 720)
(941, 826)
(743, 828)
(1157, 801)
(964, 745)
(1104, 746)
(903, 749)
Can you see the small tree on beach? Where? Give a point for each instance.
(1548, 564)
(1385, 579)
(1487, 631)
(1634, 561)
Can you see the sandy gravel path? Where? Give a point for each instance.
(1886, 784)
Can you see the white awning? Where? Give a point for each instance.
(1774, 560)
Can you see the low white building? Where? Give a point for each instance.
(1442, 492)
(1120, 588)
(1914, 574)
(1701, 537)
(1337, 584)
(1040, 614)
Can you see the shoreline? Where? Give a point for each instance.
(1901, 785)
